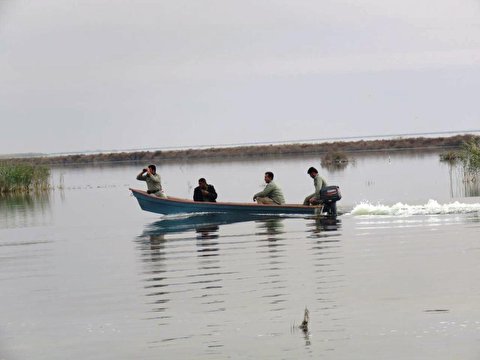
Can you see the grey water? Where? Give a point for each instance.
(85, 274)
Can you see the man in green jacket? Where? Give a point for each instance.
(272, 194)
(319, 183)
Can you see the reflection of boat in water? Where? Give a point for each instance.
(208, 224)
(205, 222)
(173, 205)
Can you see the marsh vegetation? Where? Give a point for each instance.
(334, 160)
(468, 158)
(15, 178)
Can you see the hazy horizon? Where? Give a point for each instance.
(79, 76)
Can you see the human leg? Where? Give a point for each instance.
(161, 194)
(264, 200)
(307, 199)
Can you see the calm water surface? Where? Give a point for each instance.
(85, 274)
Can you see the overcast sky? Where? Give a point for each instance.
(95, 74)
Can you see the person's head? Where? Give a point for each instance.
(153, 169)
(202, 183)
(312, 172)
(268, 176)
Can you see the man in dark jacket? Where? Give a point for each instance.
(204, 192)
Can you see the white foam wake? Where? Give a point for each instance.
(432, 207)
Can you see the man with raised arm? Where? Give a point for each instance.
(154, 183)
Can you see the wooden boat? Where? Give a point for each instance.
(172, 205)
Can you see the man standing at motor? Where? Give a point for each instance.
(319, 183)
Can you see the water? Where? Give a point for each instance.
(85, 274)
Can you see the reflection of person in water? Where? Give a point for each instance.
(322, 224)
(207, 232)
(204, 192)
(157, 247)
(273, 226)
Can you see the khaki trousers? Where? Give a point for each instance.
(265, 200)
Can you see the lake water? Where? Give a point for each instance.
(85, 274)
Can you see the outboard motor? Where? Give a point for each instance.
(329, 196)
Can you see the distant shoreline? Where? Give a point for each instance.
(256, 151)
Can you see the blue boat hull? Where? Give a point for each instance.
(171, 205)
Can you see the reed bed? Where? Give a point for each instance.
(334, 161)
(23, 178)
(468, 158)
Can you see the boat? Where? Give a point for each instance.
(173, 205)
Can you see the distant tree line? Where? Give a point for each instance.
(419, 143)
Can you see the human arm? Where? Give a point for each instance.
(197, 194)
(154, 179)
(211, 193)
(141, 175)
(265, 192)
(318, 182)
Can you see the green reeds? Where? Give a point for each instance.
(23, 178)
(450, 156)
(470, 157)
(334, 160)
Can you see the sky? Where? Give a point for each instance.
(86, 75)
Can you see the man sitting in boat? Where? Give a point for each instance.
(204, 192)
(272, 194)
(154, 183)
(319, 183)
